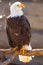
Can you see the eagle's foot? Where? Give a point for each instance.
(22, 57)
(22, 50)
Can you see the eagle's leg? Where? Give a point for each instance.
(22, 57)
(22, 50)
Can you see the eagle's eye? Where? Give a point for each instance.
(17, 5)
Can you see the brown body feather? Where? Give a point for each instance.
(19, 31)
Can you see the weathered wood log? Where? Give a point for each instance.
(10, 59)
(13, 53)
(9, 51)
(33, 52)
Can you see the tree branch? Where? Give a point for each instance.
(10, 59)
(13, 53)
(33, 52)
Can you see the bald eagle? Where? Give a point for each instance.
(18, 27)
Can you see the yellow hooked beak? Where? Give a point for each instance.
(22, 6)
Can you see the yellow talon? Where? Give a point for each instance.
(22, 57)
(22, 50)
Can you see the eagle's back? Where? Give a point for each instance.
(18, 31)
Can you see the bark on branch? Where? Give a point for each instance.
(33, 52)
(10, 59)
(13, 53)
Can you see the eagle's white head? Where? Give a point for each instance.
(16, 9)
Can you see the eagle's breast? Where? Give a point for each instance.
(19, 29)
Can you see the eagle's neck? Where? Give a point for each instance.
(15, 12)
